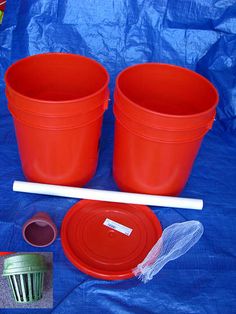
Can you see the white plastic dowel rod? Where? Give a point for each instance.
(109, 196)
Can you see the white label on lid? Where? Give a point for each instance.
(118, 227)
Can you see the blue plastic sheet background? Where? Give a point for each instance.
(197, 34)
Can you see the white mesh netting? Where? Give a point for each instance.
(175, 241)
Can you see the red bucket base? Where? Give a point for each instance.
(102, 251)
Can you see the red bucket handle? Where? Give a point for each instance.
(107, 99)
(210, 124)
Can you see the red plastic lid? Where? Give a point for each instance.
(107, 240)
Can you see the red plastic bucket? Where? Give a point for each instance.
(162, 114)
(57, 102)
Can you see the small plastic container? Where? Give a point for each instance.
(25, 275)
(40, 230)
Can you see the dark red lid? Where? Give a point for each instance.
(107, 240)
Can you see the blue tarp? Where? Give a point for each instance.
(197, 34)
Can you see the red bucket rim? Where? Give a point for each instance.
(57, 54)
(140, 108)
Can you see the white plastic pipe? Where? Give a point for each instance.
(109, 196)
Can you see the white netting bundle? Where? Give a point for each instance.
(175, 241)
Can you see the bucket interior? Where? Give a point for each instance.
(56, 77)
(167, 89)
(39, 234)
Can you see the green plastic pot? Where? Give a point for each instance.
(25, 275)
